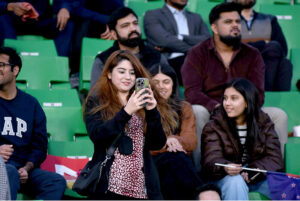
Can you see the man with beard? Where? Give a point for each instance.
(211, 64)
(125, 28)
(263, 32)
(174, 30)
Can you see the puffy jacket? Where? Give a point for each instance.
(220, 146)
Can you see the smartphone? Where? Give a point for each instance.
(140, 84)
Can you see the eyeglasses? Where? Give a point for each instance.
(2, 65)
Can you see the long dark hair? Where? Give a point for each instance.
(174, 100)
(250, 94)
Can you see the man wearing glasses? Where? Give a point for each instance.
(23, 136)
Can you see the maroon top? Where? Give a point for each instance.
(204, 74)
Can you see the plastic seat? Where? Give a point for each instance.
(288, 18)
(64, 113)
(256, 196)
(204, 8)
(30, 37)
(287, 101)
(140, 7)
(44, 73)
(292, 150)
(295, 59)
(32, 47)
(90, 48)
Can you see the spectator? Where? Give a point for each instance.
(239, 134)
(177, 173)
(36, 17)
(124, 26)
(113, 107)
(263, 32)
(4, 185)
(91, 17)
(174, 30)
(23, 138)
(211, 64)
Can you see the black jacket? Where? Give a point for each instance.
(102, 134)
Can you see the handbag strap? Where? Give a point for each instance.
(112, 148)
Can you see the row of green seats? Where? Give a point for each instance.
(42, 68)
(63, 112)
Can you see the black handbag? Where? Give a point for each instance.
(90, 177)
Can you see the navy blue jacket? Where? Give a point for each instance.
(96, 10)
(23, 124)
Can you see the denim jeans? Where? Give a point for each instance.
(41, 184)
(235, 188)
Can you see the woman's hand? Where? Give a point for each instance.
(150, 100)
(245, 176)
(173, 145)
(135, 102)
(235, 170)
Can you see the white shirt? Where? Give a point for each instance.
(182, 26)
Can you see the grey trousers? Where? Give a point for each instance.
(4, 185)
(277, 115)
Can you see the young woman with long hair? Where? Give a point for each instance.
(239, 134)
(177, 172)
(113, 107)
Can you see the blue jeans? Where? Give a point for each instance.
(41, 184)
(235, 188)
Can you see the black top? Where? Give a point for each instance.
(102, 134)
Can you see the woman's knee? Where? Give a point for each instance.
(234, 183)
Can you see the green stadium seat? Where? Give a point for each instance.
(288, 18)
(140, 7)
(30, 37)
(71, 149)
(295, 59)
(287, 101)
(292, 150)
(32, 47)
(256, 196)
(204, 8)
(44, 73)
(63, 111)
(90, 48)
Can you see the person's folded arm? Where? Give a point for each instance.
(158, 36)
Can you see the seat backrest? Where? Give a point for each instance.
(90, 48)
(140, 7)
(295, 59)
(71, 149)
(63, 111)
(32, 47)
(44, 73)
(287, 101)
(288, 18)
(204, 8)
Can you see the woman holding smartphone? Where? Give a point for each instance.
(240, 134)
(113, 107)
(177, 173)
